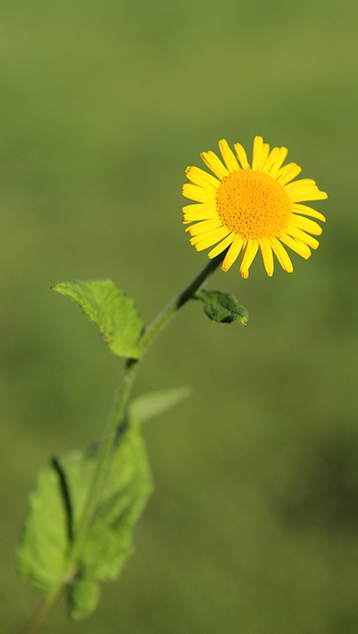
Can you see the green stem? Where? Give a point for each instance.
(169, 311)
(103, 463)
(43, 611)
(116, 416)
(121, 400)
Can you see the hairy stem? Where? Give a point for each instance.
(116, 416)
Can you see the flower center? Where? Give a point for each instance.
(253, 204)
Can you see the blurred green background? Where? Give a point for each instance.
(253, 526)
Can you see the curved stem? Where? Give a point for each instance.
(117, 413)
(169, 311)
(121, 400)
(43, 611)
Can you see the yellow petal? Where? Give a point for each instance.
(221, 247)
(313, 195)
(257, 151)
(207, 240)
(228, 156)
(270, 160)
(281, 155)
(260, 154)
(266, 252)
(288, 173)
(198, 207)
(198, 193)
(233, 252)
(204, 215)
(204, 227)
(307, 211)
(302, 236)
(214, 164)
(299, 247)
(241, 155)
(305, 224)
(282, 255)
(201, 178)
(302, 185)
(248, 255)
(264, 154)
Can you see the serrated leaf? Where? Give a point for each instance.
(59, 500)
(154, 403)
(111, 310)
(222, 307)
(54, 514)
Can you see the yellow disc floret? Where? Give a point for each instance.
(253, 204)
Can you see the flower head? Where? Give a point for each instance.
(245, 208)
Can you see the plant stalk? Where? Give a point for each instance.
(116, 416)
(44, 609)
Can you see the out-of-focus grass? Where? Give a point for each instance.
(253, 526)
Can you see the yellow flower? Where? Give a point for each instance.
(248, 208)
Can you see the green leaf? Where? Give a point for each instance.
(111, 310)
(109, 541)
(59, 500)
(154, 403)
(222, 307)
(55, 511)
(84, 596)
(41, 556)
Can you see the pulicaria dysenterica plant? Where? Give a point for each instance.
(78, 531)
